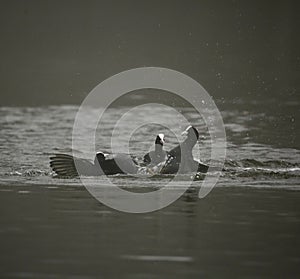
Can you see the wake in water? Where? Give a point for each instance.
(261, 169)
(250, 168)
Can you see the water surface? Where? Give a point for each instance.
(248, 226)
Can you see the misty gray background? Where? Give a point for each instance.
(55, 52)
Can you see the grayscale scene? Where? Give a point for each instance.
(149, 139)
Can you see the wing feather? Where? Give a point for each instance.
(67, 165)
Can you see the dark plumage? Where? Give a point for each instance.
(109, 164)
(64, 165)
(157, 155)
(181, 157)
(116, 163)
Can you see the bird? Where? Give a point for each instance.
(180, 158)
(116, 163)
(157, 155)
(108, 164)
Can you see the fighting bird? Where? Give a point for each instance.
(157, 155)
(180, 158)
(109, 164)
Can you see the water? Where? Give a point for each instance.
(248, 226)
(262, 148)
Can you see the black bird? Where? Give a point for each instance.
(109, 164)
(157, 155)
(181, 157)
(116, 163)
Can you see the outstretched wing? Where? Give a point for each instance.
(67, 165)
